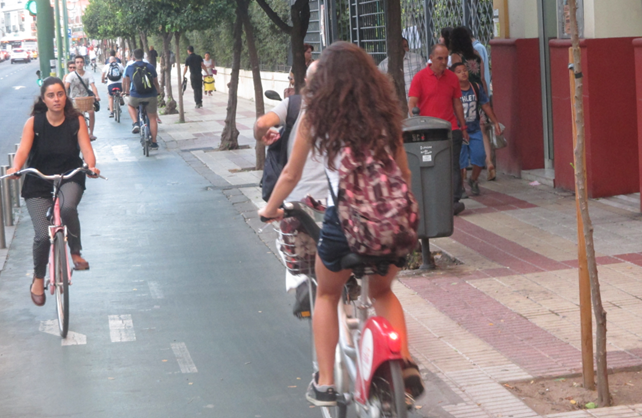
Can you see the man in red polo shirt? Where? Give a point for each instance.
(435, 90)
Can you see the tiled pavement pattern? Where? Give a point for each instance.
(510, 311)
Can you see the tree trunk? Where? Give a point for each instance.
(396, 52)
(300, 14)
(161, 94)
(143, 41)
(603, 393)
(256, 75)
(181, 109)
(230, 135)
(170, 107)
(133, 43)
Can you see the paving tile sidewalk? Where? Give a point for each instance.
(510, 310)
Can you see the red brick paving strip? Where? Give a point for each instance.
(532, 348)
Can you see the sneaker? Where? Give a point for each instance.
(153, 145)
(135, 128)
(111, 114)
(474, 187)
(464, 195)
(320, 395)
(412, 379)
(458, 207)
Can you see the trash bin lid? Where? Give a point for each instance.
(425, 122)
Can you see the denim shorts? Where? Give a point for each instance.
(333, 245)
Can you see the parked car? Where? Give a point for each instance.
(4, 55)
(19, 54)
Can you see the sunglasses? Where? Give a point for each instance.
(72, 68)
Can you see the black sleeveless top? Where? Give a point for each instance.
(55, 150)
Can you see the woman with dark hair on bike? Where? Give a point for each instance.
(350, 106)
(52, 140)
(461, 50)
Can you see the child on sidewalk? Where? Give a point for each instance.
(473, 98)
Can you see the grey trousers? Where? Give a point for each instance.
(70, 195)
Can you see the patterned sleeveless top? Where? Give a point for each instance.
(474, 66)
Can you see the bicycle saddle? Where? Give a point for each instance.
(357, 263)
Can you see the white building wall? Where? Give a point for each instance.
(522, 18)
(612, 18)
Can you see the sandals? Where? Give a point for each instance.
(412, 379)
(80, 264)
(38, 300)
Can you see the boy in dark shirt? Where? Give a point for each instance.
(473, 98)
(195, 64)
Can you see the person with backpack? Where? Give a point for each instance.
(113, 76)
(358, 143)
(141, 84)
(473, 99)
(195, 64)
(52, 140)
(81, 84)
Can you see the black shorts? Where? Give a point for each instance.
(333, 245)
(115, 86)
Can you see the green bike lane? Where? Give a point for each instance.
(181, 314)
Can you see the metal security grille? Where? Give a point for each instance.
(422, 21)
(368, 27)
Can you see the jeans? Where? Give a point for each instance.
(458, 139)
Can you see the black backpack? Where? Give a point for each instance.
(143, 79)
(277, 153)
(113, 73)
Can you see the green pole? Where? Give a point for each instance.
(60, 66)
(65, 28)
(45, 28)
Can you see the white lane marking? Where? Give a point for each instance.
(122, 153)
(121, 328)
(155, 290)
(18, 87)
(184, 359)
(73, 338)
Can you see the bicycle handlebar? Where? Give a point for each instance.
(295, 210)
(53, 177)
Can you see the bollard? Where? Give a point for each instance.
(15, 184)
(428, 261)
(6, 198)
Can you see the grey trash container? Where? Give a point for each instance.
(428, 144)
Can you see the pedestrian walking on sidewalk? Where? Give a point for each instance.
(195, 64)
(152, 56)
(435, 90)
(473, 99)
(52, 140)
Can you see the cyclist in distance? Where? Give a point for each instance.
(114, 73)
(136, 97)
(52, 140)
(349, 103)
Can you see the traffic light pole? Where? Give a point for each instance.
(59, 67)
(65, 29)
(45, 28)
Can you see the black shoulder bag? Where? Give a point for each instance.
(277, 153)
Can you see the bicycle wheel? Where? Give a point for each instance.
(61, 283)
(117, 109)
(387, 392)
(146, 140)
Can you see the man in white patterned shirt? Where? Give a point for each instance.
(412, 64)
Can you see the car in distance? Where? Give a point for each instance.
(20, 55)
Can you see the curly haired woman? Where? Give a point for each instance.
(349, 103)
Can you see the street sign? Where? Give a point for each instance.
(69, 33)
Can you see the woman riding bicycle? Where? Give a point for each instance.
(349, 103)
(52, 139)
